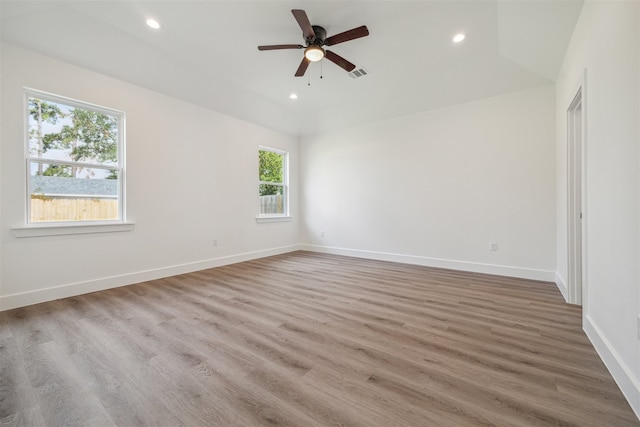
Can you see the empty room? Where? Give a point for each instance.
(320, 213)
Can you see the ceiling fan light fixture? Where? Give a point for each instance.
(314, 53)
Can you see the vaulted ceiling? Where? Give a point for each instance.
(206, 52)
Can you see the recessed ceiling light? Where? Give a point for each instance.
(153, 24)
(293, 96)
(458, 38)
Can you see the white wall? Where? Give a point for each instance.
(437, 187)
(191, 178)
(606, 42)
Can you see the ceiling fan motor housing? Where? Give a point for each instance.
(321, 35)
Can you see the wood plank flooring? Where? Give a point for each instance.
(306, 339)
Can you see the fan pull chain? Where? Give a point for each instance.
(309, 74)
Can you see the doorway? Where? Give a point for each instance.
(575, 220)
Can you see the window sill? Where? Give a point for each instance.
(68, 229)
(283, 218)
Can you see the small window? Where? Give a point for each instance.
(74, 160)
(273, 186)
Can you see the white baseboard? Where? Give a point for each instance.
(562, 287)
(8, 302)
(500, 270)
(620, 371)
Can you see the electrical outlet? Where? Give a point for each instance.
(493, 246)
(322, 234)
(215, 242)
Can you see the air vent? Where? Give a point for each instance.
(358, 72)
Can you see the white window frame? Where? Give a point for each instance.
(285, 216)
(48, 228)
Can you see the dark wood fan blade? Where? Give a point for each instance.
(354, 33)
(280, 46)
(339, 60)
(303, 67)
(305, 25)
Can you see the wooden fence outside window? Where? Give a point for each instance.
(44, 209)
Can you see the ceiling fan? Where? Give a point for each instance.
(315, 37)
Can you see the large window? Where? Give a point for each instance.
(74, 160)
(273, 186)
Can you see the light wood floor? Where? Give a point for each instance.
(307, 340)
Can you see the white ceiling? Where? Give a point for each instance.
(206, 52)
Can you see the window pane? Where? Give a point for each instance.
(56, 195)
(272, 185)
(61, 132)
(271, 166)
(75, 160)
(272, 201)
